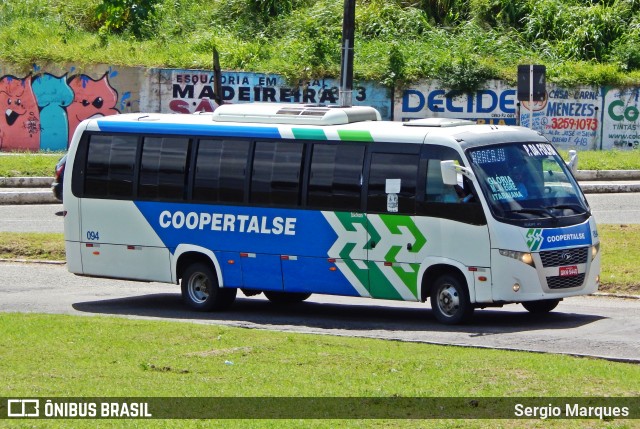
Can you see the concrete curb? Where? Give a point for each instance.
(28, 196)
(32, 261)
(615, 295)
(586, 175)
(25, 182)
(609, 188)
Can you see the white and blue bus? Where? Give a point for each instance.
(293, 200)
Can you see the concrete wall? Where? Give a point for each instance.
(41, 108)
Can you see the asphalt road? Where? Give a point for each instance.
(607, 208)
(31, 218)
(615, 208)
(584, 326)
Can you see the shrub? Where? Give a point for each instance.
(385, 19)
(581, 32)
(116, 16)
(626, 50)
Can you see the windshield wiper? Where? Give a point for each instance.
(543, 211)
(575, 207)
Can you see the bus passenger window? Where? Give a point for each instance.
(163, 168)
(335, 181)
(110, 165)
(386, 167)
(220, 171)
(276, 175)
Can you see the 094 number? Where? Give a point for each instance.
(93, 235)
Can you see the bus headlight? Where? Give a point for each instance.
(525, 257)
(594, 251)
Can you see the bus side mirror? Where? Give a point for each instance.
(450, 171)
(573, 161)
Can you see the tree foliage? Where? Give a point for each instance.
(460, 42)
(118, 16)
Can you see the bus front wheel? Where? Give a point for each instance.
(450, 300)
(200, 289)
(540, 307)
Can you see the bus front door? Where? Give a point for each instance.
(394, 239)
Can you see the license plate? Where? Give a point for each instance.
(569, 271)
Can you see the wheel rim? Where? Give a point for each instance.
(448, 300)
(198, 287)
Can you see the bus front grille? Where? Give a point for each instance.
(564, 282)
(558, 258)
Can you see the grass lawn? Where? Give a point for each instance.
(620, 256)
(74, 356)
(29, 164)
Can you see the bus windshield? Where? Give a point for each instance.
(528, 181)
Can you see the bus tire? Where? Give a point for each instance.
(286, 297)
(200, 289)
(450, 301)
(542, 306)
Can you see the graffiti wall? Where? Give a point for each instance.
(496, 104)
(583, 118)
(41, 110)
(568, 117)
(621, 128)
(189, 91)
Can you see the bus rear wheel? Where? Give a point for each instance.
(200, 289)
(450, 300)
(286, 297)
(541, 307)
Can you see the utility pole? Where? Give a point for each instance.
(346, 71)
(217, 78)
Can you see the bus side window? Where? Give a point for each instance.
(110, 166)
(390, 168)
(276, 176)
(335, 180)
(163, 168)
(436, 190)
(220, 171)
(454, 202)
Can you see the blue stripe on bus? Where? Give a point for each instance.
(255, 239)
(189, 129)
(567, 237)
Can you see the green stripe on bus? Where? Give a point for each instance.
(308, 134)
(355, 135)
(379, 284)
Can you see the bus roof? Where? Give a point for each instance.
(291, 121)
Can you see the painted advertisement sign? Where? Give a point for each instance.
(496, 104)
(621, 117)
(567, 117)
(189, 91)
(40, 111)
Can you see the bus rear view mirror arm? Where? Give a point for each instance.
(573, 161)
(450, 172)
